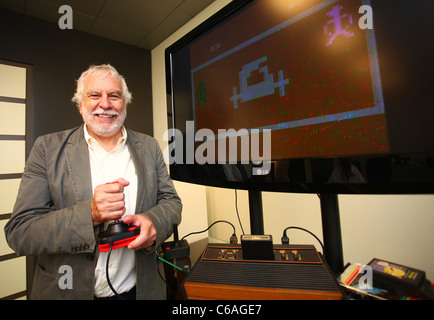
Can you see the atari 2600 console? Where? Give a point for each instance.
(292, 272)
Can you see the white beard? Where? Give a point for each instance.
(104, 130)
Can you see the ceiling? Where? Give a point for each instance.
(140, 23)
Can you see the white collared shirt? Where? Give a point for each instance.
(107, 167)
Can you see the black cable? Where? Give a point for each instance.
(107, 272)
(285, 239)
(236, 208)
(197, 232)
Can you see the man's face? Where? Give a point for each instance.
(103, 108)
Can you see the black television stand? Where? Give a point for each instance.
(256, 215)
(331, 229)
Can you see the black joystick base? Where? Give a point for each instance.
(177, 248)
(117, 235)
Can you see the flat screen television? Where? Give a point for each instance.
(306, 96)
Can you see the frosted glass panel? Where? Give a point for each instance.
(8, 194)
(15, 281)
(4, 247)
(13, 119)
(12, 81)
(13, 156)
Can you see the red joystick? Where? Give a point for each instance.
(117, 235)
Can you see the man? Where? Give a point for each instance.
(76, 182)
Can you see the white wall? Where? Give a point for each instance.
(396, 228)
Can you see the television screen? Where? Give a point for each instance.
(306, 96)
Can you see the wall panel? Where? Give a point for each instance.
(15, 111)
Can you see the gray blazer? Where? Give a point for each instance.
(52, 216)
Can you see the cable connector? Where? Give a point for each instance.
(234, 239)
(285, 239)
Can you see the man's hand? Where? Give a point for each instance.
(148, 233)
(108, 201)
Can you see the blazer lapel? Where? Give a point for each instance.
(136, 153)
(77, 160)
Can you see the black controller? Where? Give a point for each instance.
(176, 248)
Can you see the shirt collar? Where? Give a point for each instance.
(91, 141)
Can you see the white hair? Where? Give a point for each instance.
(101, 69)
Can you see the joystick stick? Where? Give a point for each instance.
(117, 235)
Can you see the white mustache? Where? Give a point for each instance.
(105, 112)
